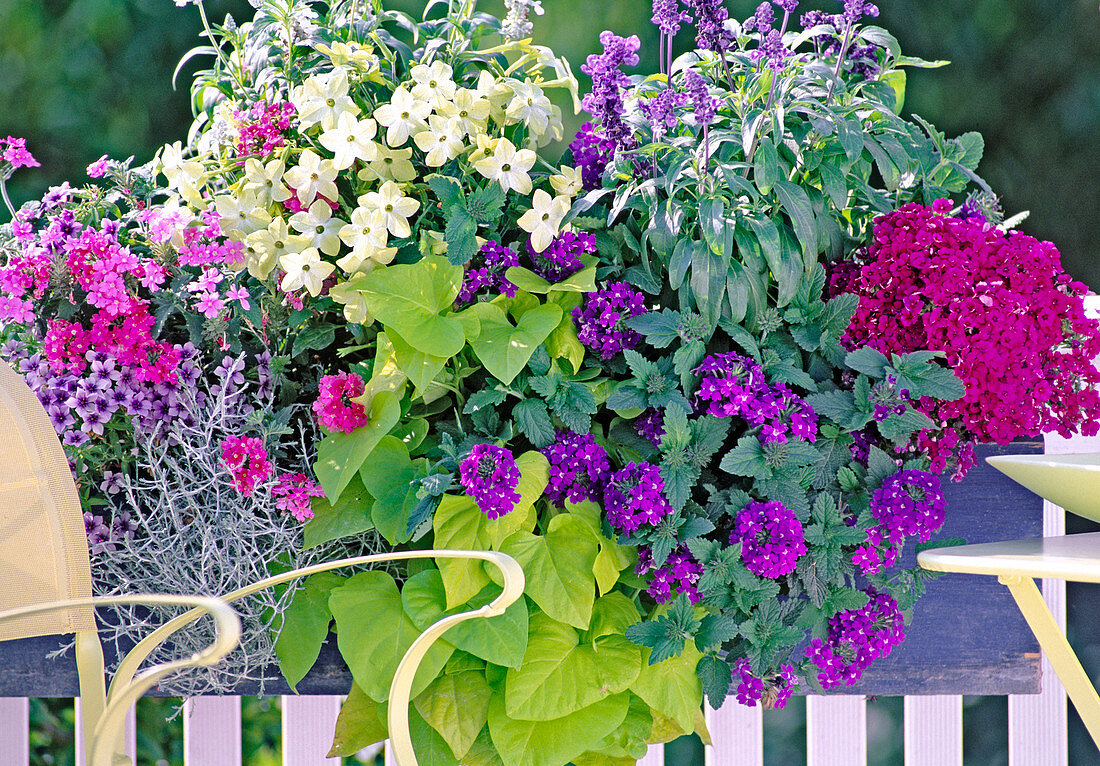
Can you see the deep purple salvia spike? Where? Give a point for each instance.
(605, 102)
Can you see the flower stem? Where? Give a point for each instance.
(840, 60)
(7, 199)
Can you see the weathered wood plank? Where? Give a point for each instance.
(836, 731)
(737, 732)
(308, 724)
(212, 731)
(934, 731)
(15, 719)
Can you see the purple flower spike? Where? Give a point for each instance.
(668, 16)
(710, 25)
(490, 476)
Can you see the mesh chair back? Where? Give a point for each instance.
(43, 545)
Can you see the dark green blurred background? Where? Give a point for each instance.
(82, 78)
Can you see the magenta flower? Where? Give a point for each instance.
(490, 476)
(334, 410)
(247, 460)
(771, 538)
(292, 493)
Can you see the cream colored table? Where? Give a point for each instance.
(1072, 481)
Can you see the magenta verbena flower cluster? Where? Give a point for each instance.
(334, 409)
(771, 538)
(679, 574)
(579, 469)
(856, 638)
(910, 503)
(752, 690)
(601, 320)
(490, 476)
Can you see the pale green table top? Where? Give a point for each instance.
(1071, 557)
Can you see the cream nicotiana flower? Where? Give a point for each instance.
(486, 145)
(404, 115)
(469, 111)
(433, 83)
(508, 166)
(568, 182)
(530, 106)
(390, 165)
(305, 269)
(319, 227)
(188, 177)
(543, 220)
(266, 180)
(441, 142)
(240, 215)
(312, 176)
(367, 237)
(496, 92)
(270, 245)
(394, 206)
(352, 299)
(350, 140)
(322, 99)
(350, 54)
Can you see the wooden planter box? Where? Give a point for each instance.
(966, 637)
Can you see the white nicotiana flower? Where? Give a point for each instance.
(270, 245)
(433, 83)
(404, 115)
(568, 182)
(240, 215)
(319, 227)
(516, 24)
(394, 206)
(312, 176)
(353, 301)
(469, 111)
(530, 106)
(305, 269)
(508, 166)
(441, 142)
(266, 180)
(390, 165)
(188, 177)
(543, 220)
(496, 92)
(350, 54)
(350, 140)
(322, 99)
(367, 230)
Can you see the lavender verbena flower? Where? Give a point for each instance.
(970, 210)
(516, 24)
(591, 153)
(771, 538)
(562, 259)
(490, 476)
(601, 320)
(635, 496)
(703, 103)
(854, 10)
(668, 16)
(650, 425)
(856, 638)
(605, 102)
(579, 469)
(123, 526)
(735, 385)
(485, 282)
(710, 25)
(772, 51)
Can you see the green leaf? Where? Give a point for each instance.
(766, 166)
(387, 476)
(410, 299)
(869, 361)
(319, 337)
(785, 267)
(340, 455)
(926, 378)
(798, 207)
(839, 407)
(533, 421)
(420, 367)
(558, 566)
(501, 640)
(708, 281)
(486, 397)
(559, 675)
(584, 281)
(361, 722)
(447, 190)
(552, 743)
(898, 426)
(305, 627)
(672, 687)
(503, 348)
(373, 634)
(716, 677)
(457, 706)
(460, 234)
(613, 558)
(485, 204)
(746, 459)
(351, 515)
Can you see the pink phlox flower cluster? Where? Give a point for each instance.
(601, 320)
(127, 337)
(247, 460)
(856, 638)
(99, 168)
(99, 265)
(292, 493)
(334, 410)
(773, 692)
(489, 475)
(736, 385)
(165, 223)
(262, 127)
(14, 152)
(208, 301)
(910, 503)
(294, 205)
(1009, 320)
(679, 574)
(579, 469)
(771, 538)
(205, 245)
(636, 496)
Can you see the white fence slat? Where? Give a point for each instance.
(655, 756)
(390, 760)
(212, 731)
(933, 730)
(308, 724)
(836, 731)
(129, 737)
(15, 731)
(738, 735)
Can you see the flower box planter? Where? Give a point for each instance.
(948, 649)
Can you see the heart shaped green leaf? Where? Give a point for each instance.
(552, 743)
(456, 706)
(411, 299)
(504, 348)
(340, 455)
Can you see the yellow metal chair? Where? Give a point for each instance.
(44, 564)
(1073, 482)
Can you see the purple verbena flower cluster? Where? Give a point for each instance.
(773, 693)
(679, 574)
(562, 258)
(909, 503)
(856, 638)
(485, 282)
(591, 153)
(771, 538)
(888, 400)
(650, 425)
(579, 468)
(490, 476)
(736, 385)
(601, 320)
(605, 102)
(636, 496)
